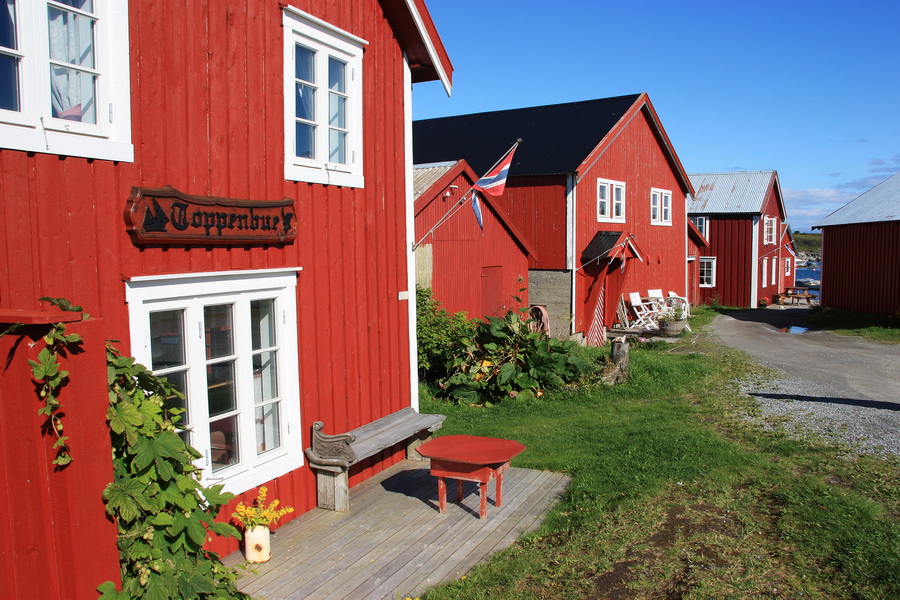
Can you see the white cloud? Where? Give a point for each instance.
(807, 207)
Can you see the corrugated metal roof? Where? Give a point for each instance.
(555, 138)
(425, 176)
(881, 203)
(735, 192)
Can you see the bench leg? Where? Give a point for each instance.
(333, 490)
(412, 452)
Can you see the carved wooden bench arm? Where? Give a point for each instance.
(331, 450)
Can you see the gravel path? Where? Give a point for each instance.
(842, 389)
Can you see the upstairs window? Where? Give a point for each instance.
(610, 201)
(322, 102)
(64, 78)
(771, 226)
(702, 225)
(660, 207)
(787, 267)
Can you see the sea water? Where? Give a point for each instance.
(812, 270)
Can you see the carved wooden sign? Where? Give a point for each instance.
(162, 216)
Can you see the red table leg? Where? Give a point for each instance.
(442, 494)
(499, 489)
(482, 497)
(459, 490)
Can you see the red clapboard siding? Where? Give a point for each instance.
(472, 271)
(731, 241)
(636, 157)
(861, 267)
(207, 118)
(537, 207)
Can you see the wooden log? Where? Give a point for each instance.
(617, 369)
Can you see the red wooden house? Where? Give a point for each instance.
(264, 261)
(861, 252)
(469, 268)
(596, 187)
(742, 216)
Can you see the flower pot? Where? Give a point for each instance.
(257, 547)
(672, 327)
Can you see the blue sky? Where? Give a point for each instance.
(811, 89)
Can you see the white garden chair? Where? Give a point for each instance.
(645, 312)
(673, 299)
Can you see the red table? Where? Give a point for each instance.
(469, 458)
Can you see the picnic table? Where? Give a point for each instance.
(796, 295)
(470, 458)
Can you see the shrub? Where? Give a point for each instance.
(437, 332)
(504, 358)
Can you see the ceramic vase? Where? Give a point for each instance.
(257, 546)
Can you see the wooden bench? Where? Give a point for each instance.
(332, 455)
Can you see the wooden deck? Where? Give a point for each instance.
(394, 542)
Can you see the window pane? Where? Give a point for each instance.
(223, 441)
(337, 111)
(305, 107)
(265, 376)
(336, 70)
(619, 202)
(220, 388)
(8, 25)
(268, 427)
(217, 324)
(304, 64)
(71, 37)
(9, 82)
(306, 140)
(262, 316)
(177, 379)
(337, 144)
(167, 339)
(85, 5)
(72, 95)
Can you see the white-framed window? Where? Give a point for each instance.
(765, 272)
(64, 78)
(771, 227)
(610, 201)
(774, 271)
(702, 224)
(323, 112)
(228, 341)
(660, 207)
(707, 271)
(787, 267)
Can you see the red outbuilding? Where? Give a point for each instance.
(597, 189)
(478, 269)
(861, 253)
(742, 216)
(260, 154)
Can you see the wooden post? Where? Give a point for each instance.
(617, 370)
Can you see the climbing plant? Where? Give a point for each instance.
(163, 513)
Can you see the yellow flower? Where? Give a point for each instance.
(258, 513)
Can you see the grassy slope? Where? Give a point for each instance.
(674, 494)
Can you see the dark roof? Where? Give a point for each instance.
(555, 138)
(601, 244)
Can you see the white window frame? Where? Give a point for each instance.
(191, 292)
(787, 267)
(711, 261)
(771, 227)
(32, 128)
(774, 271)
(612, 193)
(702, 224)
(326, 41)
(660, 207)
(765, 272)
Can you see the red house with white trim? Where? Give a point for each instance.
(596, 187)
(861, 252)
(264, 168)
(479, 270)
(742, 216)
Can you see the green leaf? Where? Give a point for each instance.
(507, 371)
(123, 416)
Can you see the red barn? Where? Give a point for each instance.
(861, 252)
(597, 189)
(469, 268)
(742, 216)
(264, 263)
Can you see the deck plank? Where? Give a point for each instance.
(394, 541)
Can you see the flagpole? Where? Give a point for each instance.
(456, 207)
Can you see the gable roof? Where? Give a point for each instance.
(430, 179)
(881, 203)
(733, 192)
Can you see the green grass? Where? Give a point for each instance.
(845, 322)
(808, 242)
(675, 494)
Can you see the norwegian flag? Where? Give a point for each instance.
(476, 208)
(494, 182)
(597, 332)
